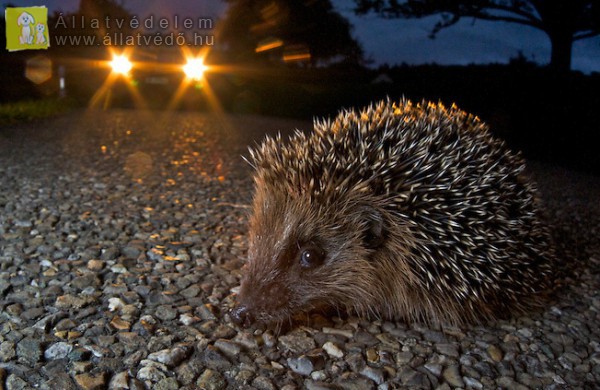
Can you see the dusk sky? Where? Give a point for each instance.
(396, 41)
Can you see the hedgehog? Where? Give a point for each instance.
(402, 211)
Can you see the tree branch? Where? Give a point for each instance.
(512, 10)
(539, 14)
(479, 10)
(510, 19)
(585, 35)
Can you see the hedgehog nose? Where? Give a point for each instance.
(241, 316)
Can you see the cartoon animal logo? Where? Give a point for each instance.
(26, 20)
(27, 28)
(40, 38)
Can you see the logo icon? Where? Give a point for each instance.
(26, 28)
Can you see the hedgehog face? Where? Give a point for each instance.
(303, 258)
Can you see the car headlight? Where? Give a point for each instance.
(121, 64)
(194, 69)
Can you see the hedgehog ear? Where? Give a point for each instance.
(373, 235)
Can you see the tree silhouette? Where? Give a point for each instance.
(564, 21)
(308, 31)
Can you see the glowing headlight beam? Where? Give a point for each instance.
(194, 69)
(121, 64)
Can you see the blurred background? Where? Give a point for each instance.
(529, 68)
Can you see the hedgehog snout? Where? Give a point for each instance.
(256, 302)
(241, 316)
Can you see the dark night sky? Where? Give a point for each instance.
(397, 41)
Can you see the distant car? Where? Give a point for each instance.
(159, 78)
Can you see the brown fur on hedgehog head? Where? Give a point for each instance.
(396, 211)
(307, 254)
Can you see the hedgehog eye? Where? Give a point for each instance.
(311, 257)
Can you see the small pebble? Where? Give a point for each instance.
(452, 376)
(495, 353)
(91, 382)
(58, 351)
(301, 365)
(333, 350)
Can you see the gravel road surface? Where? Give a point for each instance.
(122, 235)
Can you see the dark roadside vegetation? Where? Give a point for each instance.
(550, 117)
(27, 110)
